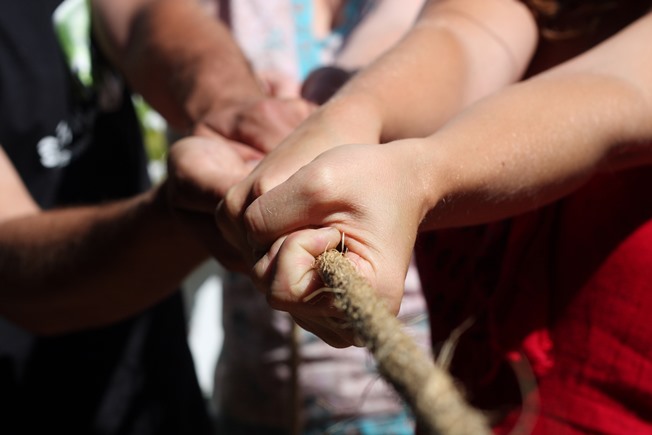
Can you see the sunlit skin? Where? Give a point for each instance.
(523, 141)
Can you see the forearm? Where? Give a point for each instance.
(73, 268)
(534, 144)
(440, 66)
(381, 28)
(183, 61)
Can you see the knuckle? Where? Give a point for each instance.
(233, 203)
(269, 105)
(319, 184)
(264, 184)
(254, 220)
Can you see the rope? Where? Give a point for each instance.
(431, 393)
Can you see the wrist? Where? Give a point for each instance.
(435, 183)
(218, 106)
(173, 226)
(354, 118)
(159, 207)
(216, 99)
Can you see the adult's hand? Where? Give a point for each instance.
(200, 171)
(202, 168)
(261, 123)
(188, 66)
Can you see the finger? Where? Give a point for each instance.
(294, 285)
(265, 267)
(233, 231)
(201, 171)
(318, 303)
(269, 121)
(202, 226)
(327, 332)
(316, 309)
(294, 276)
(302, 201)
(246, 152)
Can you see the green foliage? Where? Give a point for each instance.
(154, 129)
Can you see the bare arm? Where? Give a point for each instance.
(521, 148)
(518, 149)
(442, 65)
(546, 136)
(435, 71)
(86, 266)
(457, 52)
(381, 28)
(181, 59)
(67, 269)
(80, 267)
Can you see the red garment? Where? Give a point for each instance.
(568, 290)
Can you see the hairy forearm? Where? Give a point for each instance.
(440, 66)
(80, 267)
(182, 60)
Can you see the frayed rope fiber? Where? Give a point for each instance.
(428, 389)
